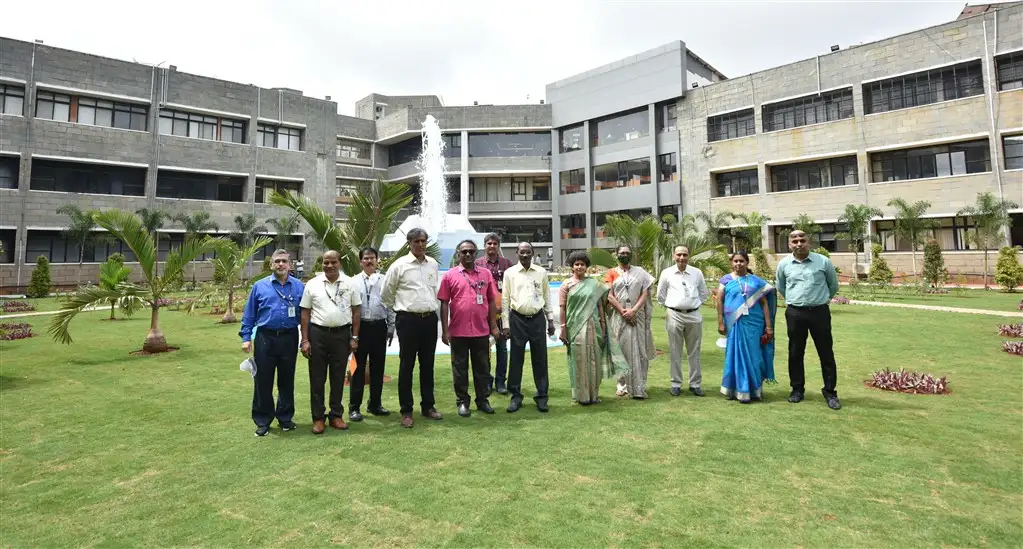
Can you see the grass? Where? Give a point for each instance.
(100, 448)
(992, 300)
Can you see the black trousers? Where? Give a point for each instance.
(372, 346)
(417, 337)
(476, 350)
(815, 321)
(328, 358)
(532, 330)
(274, 351)
(501, 370)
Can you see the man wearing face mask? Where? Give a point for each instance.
(682, 290)
(629, 321)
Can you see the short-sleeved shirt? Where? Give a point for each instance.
(330, 303)
(469, 295)
(807, 283)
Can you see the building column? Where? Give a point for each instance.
(463, 204)
(588, 175)
(655, 175)
(555, 197)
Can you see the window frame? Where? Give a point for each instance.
(747, 181)
(8, 92)
(824, 172)
(275, 132)
(819, 108)
(914, 162)
(721, 127)
(1011, 63)
(923, 88)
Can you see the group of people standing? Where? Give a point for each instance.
(605, 327)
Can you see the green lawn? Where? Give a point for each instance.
(993, 300)
(100, 448)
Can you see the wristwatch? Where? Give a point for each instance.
(355, 338)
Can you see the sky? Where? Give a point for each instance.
(464, 51)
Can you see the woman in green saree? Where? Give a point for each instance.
(592, 356)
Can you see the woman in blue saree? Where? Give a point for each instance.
(746, 308)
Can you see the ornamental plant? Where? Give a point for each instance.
(910, 382)
(1010, 330)
(11, 332)
(1013, 347)
(16, 306)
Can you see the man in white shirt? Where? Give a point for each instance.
(682, 290)
(410, 288)
(376, 331)
(526, 309)
(330, 331)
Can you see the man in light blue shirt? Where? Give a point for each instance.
(808, 281)
(273, 309)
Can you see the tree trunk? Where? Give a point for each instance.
(81, 259)
(986, 287)
(112, 303)
(229, 317)
(856, 263)
(914, 260)
(155, 342)
(192, 264)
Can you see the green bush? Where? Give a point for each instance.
(827, 254)
(1008, 271)
(317, 267)
(40, 284)
(934, 264)
(762, 267)
(116, 257)
(880, 273)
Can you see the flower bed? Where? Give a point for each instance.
(1010, 330)
(840, 300)
(16, 306)
(1013, 347)
(908, 382)
(12, 331)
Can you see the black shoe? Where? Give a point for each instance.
(355, 415)
(542, 407)
(696, 391)
(833, 403)
(486, 408)
(514, 406)
(262, 430)
(288, 426)
(463, 410)
(381, 411)
(676, 391)
(501, 390)
(795, 397)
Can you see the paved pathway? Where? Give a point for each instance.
(1015, 314)
(39, 313)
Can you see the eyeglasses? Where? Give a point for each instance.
(467, 252)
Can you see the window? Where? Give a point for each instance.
(630, 173)
(452, 145)
(111, 114)
(1010, 71)
(573, 226)
(53, 106)
(75, 177)
(405, 151)
(509, 144)
(830, 172)
(738, 183)
(950, 232)
(938, 161)
(200, 186)
(814, 109)
(573, 181)
(600, 218)
(620, 127)
(923, 88)
(348, 150)
(347, 189)
(12, 99)
(265, 186)
(731, 125)
(666, 117)
(668, 167)
(500, 189)
(199, 126)
(9, 170)
(7, 243)
(279, 137)
(1012, 147)
(57, 249)
(671, 210)
(572, 139)
(173, 241)
(516, 230)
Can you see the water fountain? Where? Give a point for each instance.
(447, 230)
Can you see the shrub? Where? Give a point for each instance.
(116, 257)
(908, 382)
(824, 251)
(40, 283)
(934, 264)
(317, 267)
(762, 267)
(1008, 271)
(16, 306)
(11, 332)
(1010, 330)
(1013, 347)
(879, 273)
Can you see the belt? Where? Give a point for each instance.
(271, 331)
(414, 313)
(527, 317)
(331, 328)
(684, 310)
(807, 307)
(374, 321)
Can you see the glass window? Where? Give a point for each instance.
(923, 88)
(1012, 145)
(630, 173)
(75, 177)
(9, 169)
(743, 182)
(668, 166)
(516, 230)
(950, 232)
(7, 243)
(829, 172)
(620, 127)
(405, 151)
(509, 144)
(938, 161)
(201, 126)
(57, 249)
(348, 150)
(452, 145)
(279, 137)
(265, 186)
(232, 131)
(731, 125)
(1010, 71)
(200, 186)
(572, 139)
(347, 189)
(501, 189)
(573, 226)
(803, 111)
(666, 115)
(12, 99)
(573, 181)
(53, 106)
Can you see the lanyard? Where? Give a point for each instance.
(337, 291)
(289, 298)
(476, 286)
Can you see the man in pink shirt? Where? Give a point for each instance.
(469, 296)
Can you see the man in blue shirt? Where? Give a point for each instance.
(808, 281)
(272, 310)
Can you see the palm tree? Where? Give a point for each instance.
(910, 224)
(80, 229)
(152, 220)
(196, 224)
(990, 218)
(284, 228)
(803, 222)
(652, 246)
(228, 265)
(642, 235)
(369, 220)
(752, 229)
(857, 221)
(716, 223)
(113, 273)
(247, 230)
(128, 227)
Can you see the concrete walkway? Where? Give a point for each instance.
(40, 313)
(1012, 314)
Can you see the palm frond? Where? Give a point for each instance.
(370, 214)
(601, 258)
(191, 248)
(128, 227)
(320, 221)
(85, 298)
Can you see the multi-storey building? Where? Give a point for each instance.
(935, 114)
